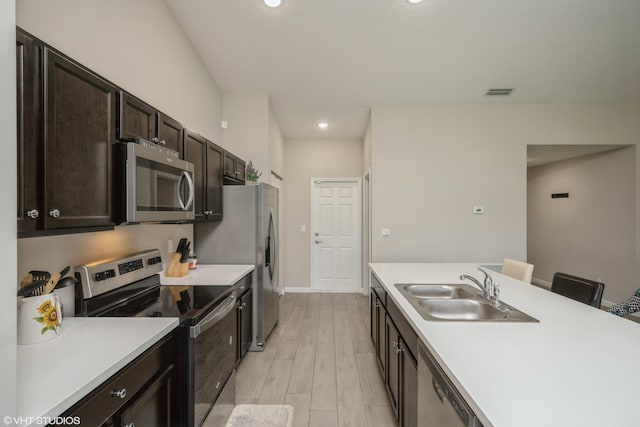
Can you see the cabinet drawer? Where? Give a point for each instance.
(116, 392)
(379, 290)
(404, 328)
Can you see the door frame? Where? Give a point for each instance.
(357, 227)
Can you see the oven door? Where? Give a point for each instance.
(159, 186)
(214, 352)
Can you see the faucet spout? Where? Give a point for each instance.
(481, 286)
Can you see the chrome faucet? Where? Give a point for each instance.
(490, 289)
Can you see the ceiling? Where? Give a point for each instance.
(334, 59)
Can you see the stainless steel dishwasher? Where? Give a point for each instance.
(439, 403)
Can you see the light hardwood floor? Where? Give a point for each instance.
(320, 360)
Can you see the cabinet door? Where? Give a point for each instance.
(169, 132)
(241, 170)
(152, 406)
(29, 150)
(214, 181)
(409, 382)
(245, 317)
(135, 118)
(195, 151)
(79, 131)
(381, 348)
(229, 165)
(392, 377)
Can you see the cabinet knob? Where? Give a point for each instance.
(130, 425)
(33, 214)
(55, 213)
(318, 241)
(155, 139)
(241, 307)
(162, 142)
(122, 393)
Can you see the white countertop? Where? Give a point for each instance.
(55, 374)
(578, 367)
(210, 275)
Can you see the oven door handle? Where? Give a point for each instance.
(215, 316)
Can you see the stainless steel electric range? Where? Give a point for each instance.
(129, 286)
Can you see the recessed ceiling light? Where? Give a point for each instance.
(323, 125)
(414, 1)
(272, 3)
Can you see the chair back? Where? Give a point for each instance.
(577, 288)
(517, 269)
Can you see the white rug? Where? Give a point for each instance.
(261, 416)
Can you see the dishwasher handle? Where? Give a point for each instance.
(215, 316)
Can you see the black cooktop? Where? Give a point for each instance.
(147, 298)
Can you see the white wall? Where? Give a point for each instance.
(140, 47)
(304, 159)
(137, 45)
(431, 164)
(276, 145)
(592, 233)
(247, 134)
(8, 185)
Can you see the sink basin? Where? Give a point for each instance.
(458, 302)
(438, 291)
(462, 309)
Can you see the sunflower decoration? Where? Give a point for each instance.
(49, 316)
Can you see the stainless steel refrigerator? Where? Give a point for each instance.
(248, 234)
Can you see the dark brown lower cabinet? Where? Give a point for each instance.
(144, 393)
(395, 343)
(245, 308)
(378, 314)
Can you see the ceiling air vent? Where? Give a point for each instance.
(499, 92)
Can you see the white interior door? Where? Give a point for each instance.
(336, 225)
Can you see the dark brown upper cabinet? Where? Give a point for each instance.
(207, 159)
(79, 125)
(234, 169)
(66, 124)
(137, 119)
(29, 150)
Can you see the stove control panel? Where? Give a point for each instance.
(104, 276)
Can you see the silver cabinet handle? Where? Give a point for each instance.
(55, 213)
(122, 393)
(33, 214)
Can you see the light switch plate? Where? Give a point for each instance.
(385, 232)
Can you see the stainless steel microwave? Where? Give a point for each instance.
(152, 184)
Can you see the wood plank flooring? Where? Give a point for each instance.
(320, 360)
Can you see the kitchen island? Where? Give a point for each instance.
(54, 375)
(576, 367)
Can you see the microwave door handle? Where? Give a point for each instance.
(185, 206)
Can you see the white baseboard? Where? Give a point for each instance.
(297, 289)
(306, 289)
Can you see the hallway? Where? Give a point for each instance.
(320, 360)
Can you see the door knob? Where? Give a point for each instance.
(318, 241)
(317, 234)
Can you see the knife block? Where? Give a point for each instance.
(176, 268)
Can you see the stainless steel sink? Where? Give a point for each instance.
(458, 302)
(438, 291)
